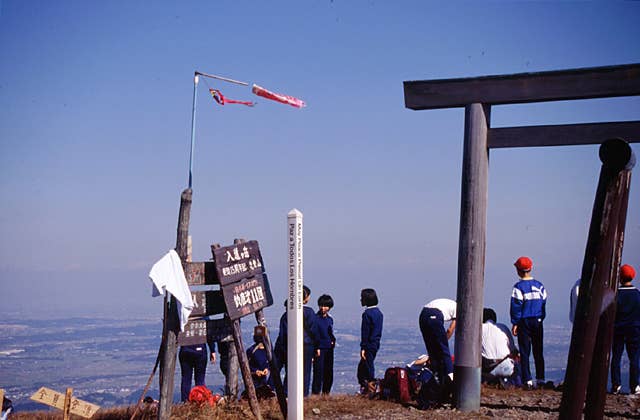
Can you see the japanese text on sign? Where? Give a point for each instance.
(247, 293)
(56, 399)
(246, 296)
(237, 262)
(195, 332)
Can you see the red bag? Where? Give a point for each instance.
(201, 394)
(396, 386)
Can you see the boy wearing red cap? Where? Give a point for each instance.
(626, 332)
(528, 302)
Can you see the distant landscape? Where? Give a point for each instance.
(108, 361)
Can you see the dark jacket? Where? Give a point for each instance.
(628, 307)
(310, 329)
(371, 329)
(326, 339)
(280, 348)
(310, 326)
(258, 361)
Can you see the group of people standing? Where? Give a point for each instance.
(319, 342)
(499, 354)
(506, 364)
(502, 361)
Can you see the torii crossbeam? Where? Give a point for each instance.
(477, 95)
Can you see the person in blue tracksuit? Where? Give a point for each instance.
(310, 340)
(280, 348)
(323, 363)
(370, 334)
(193, 362)
(528, 303)
(626, 332)
(259, 364)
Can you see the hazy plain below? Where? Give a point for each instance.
(108, 361)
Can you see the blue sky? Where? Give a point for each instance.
(96, 121)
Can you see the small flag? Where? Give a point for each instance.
(221, 99)
(284, 99)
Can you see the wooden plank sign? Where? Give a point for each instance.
(211, 302)
(56, 399)
(247, 296)
(199, 274)
(195, 332)
(237, 262)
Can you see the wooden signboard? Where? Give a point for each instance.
(202, 279)
(247, 296)
(199, 275)
(195, 332)
(237, 262)
(238, 269)
(56, 399)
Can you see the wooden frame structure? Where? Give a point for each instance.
(477, 95)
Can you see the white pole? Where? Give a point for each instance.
(294, 319)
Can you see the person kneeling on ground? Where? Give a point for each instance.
(498, 352)
(259, 367)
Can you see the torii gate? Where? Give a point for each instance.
(476, 95)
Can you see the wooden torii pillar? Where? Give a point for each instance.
(477, 95)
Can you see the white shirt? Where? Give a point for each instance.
(446, 306)
(495, 343)
(167, 274)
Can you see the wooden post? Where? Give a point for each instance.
(273, 364)
(598, 285)
(471, 253)
(246, 372)
(171, 324)
(597, 388)
(244, 362)
(66, 411)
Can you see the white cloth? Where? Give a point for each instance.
(495, 346)
(495, 343)
(167, 274)
(573, 300)
(446, 306)
(504, 368)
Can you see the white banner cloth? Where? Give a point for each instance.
(167, 274)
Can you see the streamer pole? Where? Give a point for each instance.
(196, 78)
(193, 127)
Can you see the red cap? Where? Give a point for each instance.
(523, 264)
(627, 272)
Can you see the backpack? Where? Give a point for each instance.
(396, 385)
(429, 391)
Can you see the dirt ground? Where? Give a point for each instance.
(495, 403)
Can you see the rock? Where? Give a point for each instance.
(315, 411)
